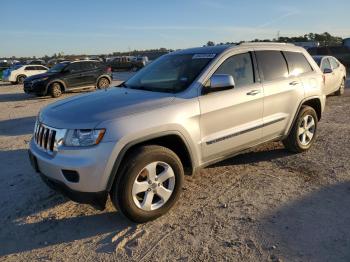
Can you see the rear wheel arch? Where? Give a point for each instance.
(104, 76)
(174, 141)
(315, 103)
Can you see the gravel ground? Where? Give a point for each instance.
(264, 205)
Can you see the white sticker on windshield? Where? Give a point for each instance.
(203, 56)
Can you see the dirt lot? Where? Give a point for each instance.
(263, 205)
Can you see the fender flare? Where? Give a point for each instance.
(113, 175)
(105, 76)
(298, 110)
(53, 81)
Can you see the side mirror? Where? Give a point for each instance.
(327, 71)
(220, 82)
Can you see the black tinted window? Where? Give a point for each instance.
(74, 67)
(240, 67)
(87, 65)
(272, 64)
(30, 68)
(297, 63)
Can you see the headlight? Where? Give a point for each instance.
(84, 137)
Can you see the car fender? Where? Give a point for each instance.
(107, 76)
(121, 152)
(56, 80)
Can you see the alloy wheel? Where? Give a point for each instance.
(306, 130)
(153, 186)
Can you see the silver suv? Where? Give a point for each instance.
(186, 110)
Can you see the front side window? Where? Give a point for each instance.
(297, 63)
(325, 64)
(240, 67)
(74, 67)
(58, 67)
(272, 64)
(170, 73)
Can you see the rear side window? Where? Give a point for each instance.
(325, 64)
(334, 63)
(272, 64)
(297, 63)
(28, 68)
(240, 67)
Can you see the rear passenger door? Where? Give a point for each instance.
(30, 70)
(73, 75)
(231, 120)
(41, 69)
(282, 92)
(89, 71)
(330, 79)
(338, 73)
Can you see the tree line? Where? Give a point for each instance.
(324, 39)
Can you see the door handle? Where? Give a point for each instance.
(294, 83)
(253, 92)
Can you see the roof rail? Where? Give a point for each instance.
(265, 43)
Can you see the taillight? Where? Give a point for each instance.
(109, 69)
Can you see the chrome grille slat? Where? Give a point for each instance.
(47, 138)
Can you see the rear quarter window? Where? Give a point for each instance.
(297, 63)
(272, 64)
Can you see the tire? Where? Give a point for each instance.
(135, 172)
(55, 90)
(20, 79)
(300, 138)
(341, 89)
(103, 82)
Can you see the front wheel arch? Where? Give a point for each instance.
(187, 157)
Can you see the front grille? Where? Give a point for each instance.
(47, 138)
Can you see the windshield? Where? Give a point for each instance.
(57, 68)
(170, 73)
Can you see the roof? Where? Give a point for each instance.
(218, 49)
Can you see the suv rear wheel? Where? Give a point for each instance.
(149, 184)
(103, 82)
(303, 132)
(55, 90)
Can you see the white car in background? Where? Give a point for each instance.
(19, 73)
(334, 74)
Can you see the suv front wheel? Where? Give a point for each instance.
(55, 90)
(303, 132)
(150, 183)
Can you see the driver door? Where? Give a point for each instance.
(232, 120)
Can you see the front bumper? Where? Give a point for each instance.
(36, 88)
(89, 163)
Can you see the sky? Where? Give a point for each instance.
(42, 27)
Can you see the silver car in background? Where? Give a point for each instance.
(334, 74)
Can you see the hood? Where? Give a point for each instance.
(46, 74)
(88, 110)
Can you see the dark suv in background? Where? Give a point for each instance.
(67, 76)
